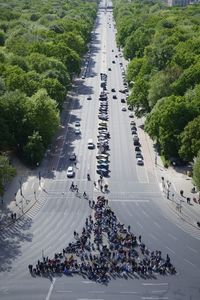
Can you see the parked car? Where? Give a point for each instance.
(123, 108)
(72, 156)
(140, 162)
(77, 131)
(77, 124)
(114, 96)
(133, 131)
(89, 98)
(131, 116)
(138, 155)
(70, 171)
(137, 148)
(113, 90)
(123, 100)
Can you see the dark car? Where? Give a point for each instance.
(133, 131)
(123, 100)
(136, 143)
(72, 156)
(137, 148)
(114, 97)
(102, 172)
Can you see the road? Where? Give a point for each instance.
(135, 196)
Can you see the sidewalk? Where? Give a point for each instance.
(15, 203)
(172, 180)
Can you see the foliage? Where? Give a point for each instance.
(34, 149)
(7, 172)
(190, 140)
(196, 171)
(163, 73)
(41, 46)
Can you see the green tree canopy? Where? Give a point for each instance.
(7, 172)
(196, 171)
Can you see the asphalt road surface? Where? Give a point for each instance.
(134, 195)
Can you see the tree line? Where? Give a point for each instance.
(163, 46)
(41, 46)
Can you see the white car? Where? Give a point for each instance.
(140, 162)
(123, 108)
(70, 171)
(77, 124)
(77, 131)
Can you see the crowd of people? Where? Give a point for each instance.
(105, 249)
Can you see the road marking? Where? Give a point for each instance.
(170, 249)
(172, 236)
(153, 236)
(159, 291)
(144, 213)
(189, 262)
(63, 291)
(50, 289)
(161, 283)
(155, 298)
(128, 292)
(194, 250)
(96, 292)
(158, 225)
(140, 224)
(128, 200)
(87, 282)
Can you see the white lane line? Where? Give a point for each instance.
(159, 291)
(144, 213)
(153, 236)
(158, 225)
(63, 291)
(96, 292)
(140, 224)
(128, 292)
(160, 283)
(155, 298)
(193, 250)
(128, 200)
(170, 249)
(172, 236)
(189, 262)
(50, 289)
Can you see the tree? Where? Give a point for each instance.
(166, 121)
(190, 140)
(42, 115)
(138, 97)
(54, 89)
(34, 149)
(7, 172)
(196, 171)
(2, 38)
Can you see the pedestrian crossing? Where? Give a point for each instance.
(34, 210)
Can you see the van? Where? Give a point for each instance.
(90, 144)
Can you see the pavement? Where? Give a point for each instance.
(171, 181)
(15, 205)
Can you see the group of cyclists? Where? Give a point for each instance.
(105, 249)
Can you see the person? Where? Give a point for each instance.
(88, 176)
(84, 194)
(72, 186)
